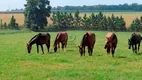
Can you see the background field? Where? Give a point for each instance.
(17, 64)
(128, 16)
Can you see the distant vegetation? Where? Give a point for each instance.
(84, 8)
(120, 7)
(64, 20)
(11, 25)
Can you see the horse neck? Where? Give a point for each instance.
(83, 42)
(31, 43)
(55, 42)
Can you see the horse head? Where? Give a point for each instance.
(55, 48)
(29, 47)
(81, 50)
(107, 43)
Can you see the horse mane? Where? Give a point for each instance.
(33, 38)
(84, 39)
(55, 42)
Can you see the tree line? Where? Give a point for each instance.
(120, 7)
(64, 20)
(11, 25)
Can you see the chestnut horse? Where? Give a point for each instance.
(135, 40)
(89, 41)
(62, 37)
(39, 39)
(111, 43)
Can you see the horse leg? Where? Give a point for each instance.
(108, 51)
(135, 48)
(89, 51)
(48, 47)
(37, 48)
(112, 51)
(84, 50)
(138, 47)
(58, 46)
(42, 49)
(63, 46)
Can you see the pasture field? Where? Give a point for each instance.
(128, 16)
(17, 64)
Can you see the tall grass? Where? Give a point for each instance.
(17, 64)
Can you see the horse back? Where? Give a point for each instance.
(111, 37)
(62, 37)
(136, 38)
(43, 38)
(88, 39)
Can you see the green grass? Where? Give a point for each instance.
(17, 64)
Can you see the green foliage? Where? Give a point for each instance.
(1, 24)
(120, 7)
(5, 26)
(36, 13)
(136, 25)
(13, 24)
(77, 19)
(85, 21)
(64, 20)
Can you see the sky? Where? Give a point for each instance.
(13, 4)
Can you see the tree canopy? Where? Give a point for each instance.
(36, 13)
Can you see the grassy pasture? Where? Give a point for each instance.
(17, 64)
(128, 16)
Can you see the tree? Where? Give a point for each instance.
(77, 19)
(1, 24)
(36, 13)
(5, 25)
(85, 21)
(13, 24)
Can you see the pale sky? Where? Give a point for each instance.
(13, 4)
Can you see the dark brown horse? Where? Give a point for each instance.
(62, 37)
(89, 41)
(39, 39)
(134, 40)
(111, 43)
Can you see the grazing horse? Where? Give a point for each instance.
(89, 41)
(111, 43)
(62, 37)
(39, 39)
(133, 41)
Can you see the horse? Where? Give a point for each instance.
(134, 40)
(111, 43)
(61, 37)
(88, 40)
(39, 39)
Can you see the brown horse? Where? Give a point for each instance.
(89, 41)
(62, 37)
(111, 43)
(39, 39)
